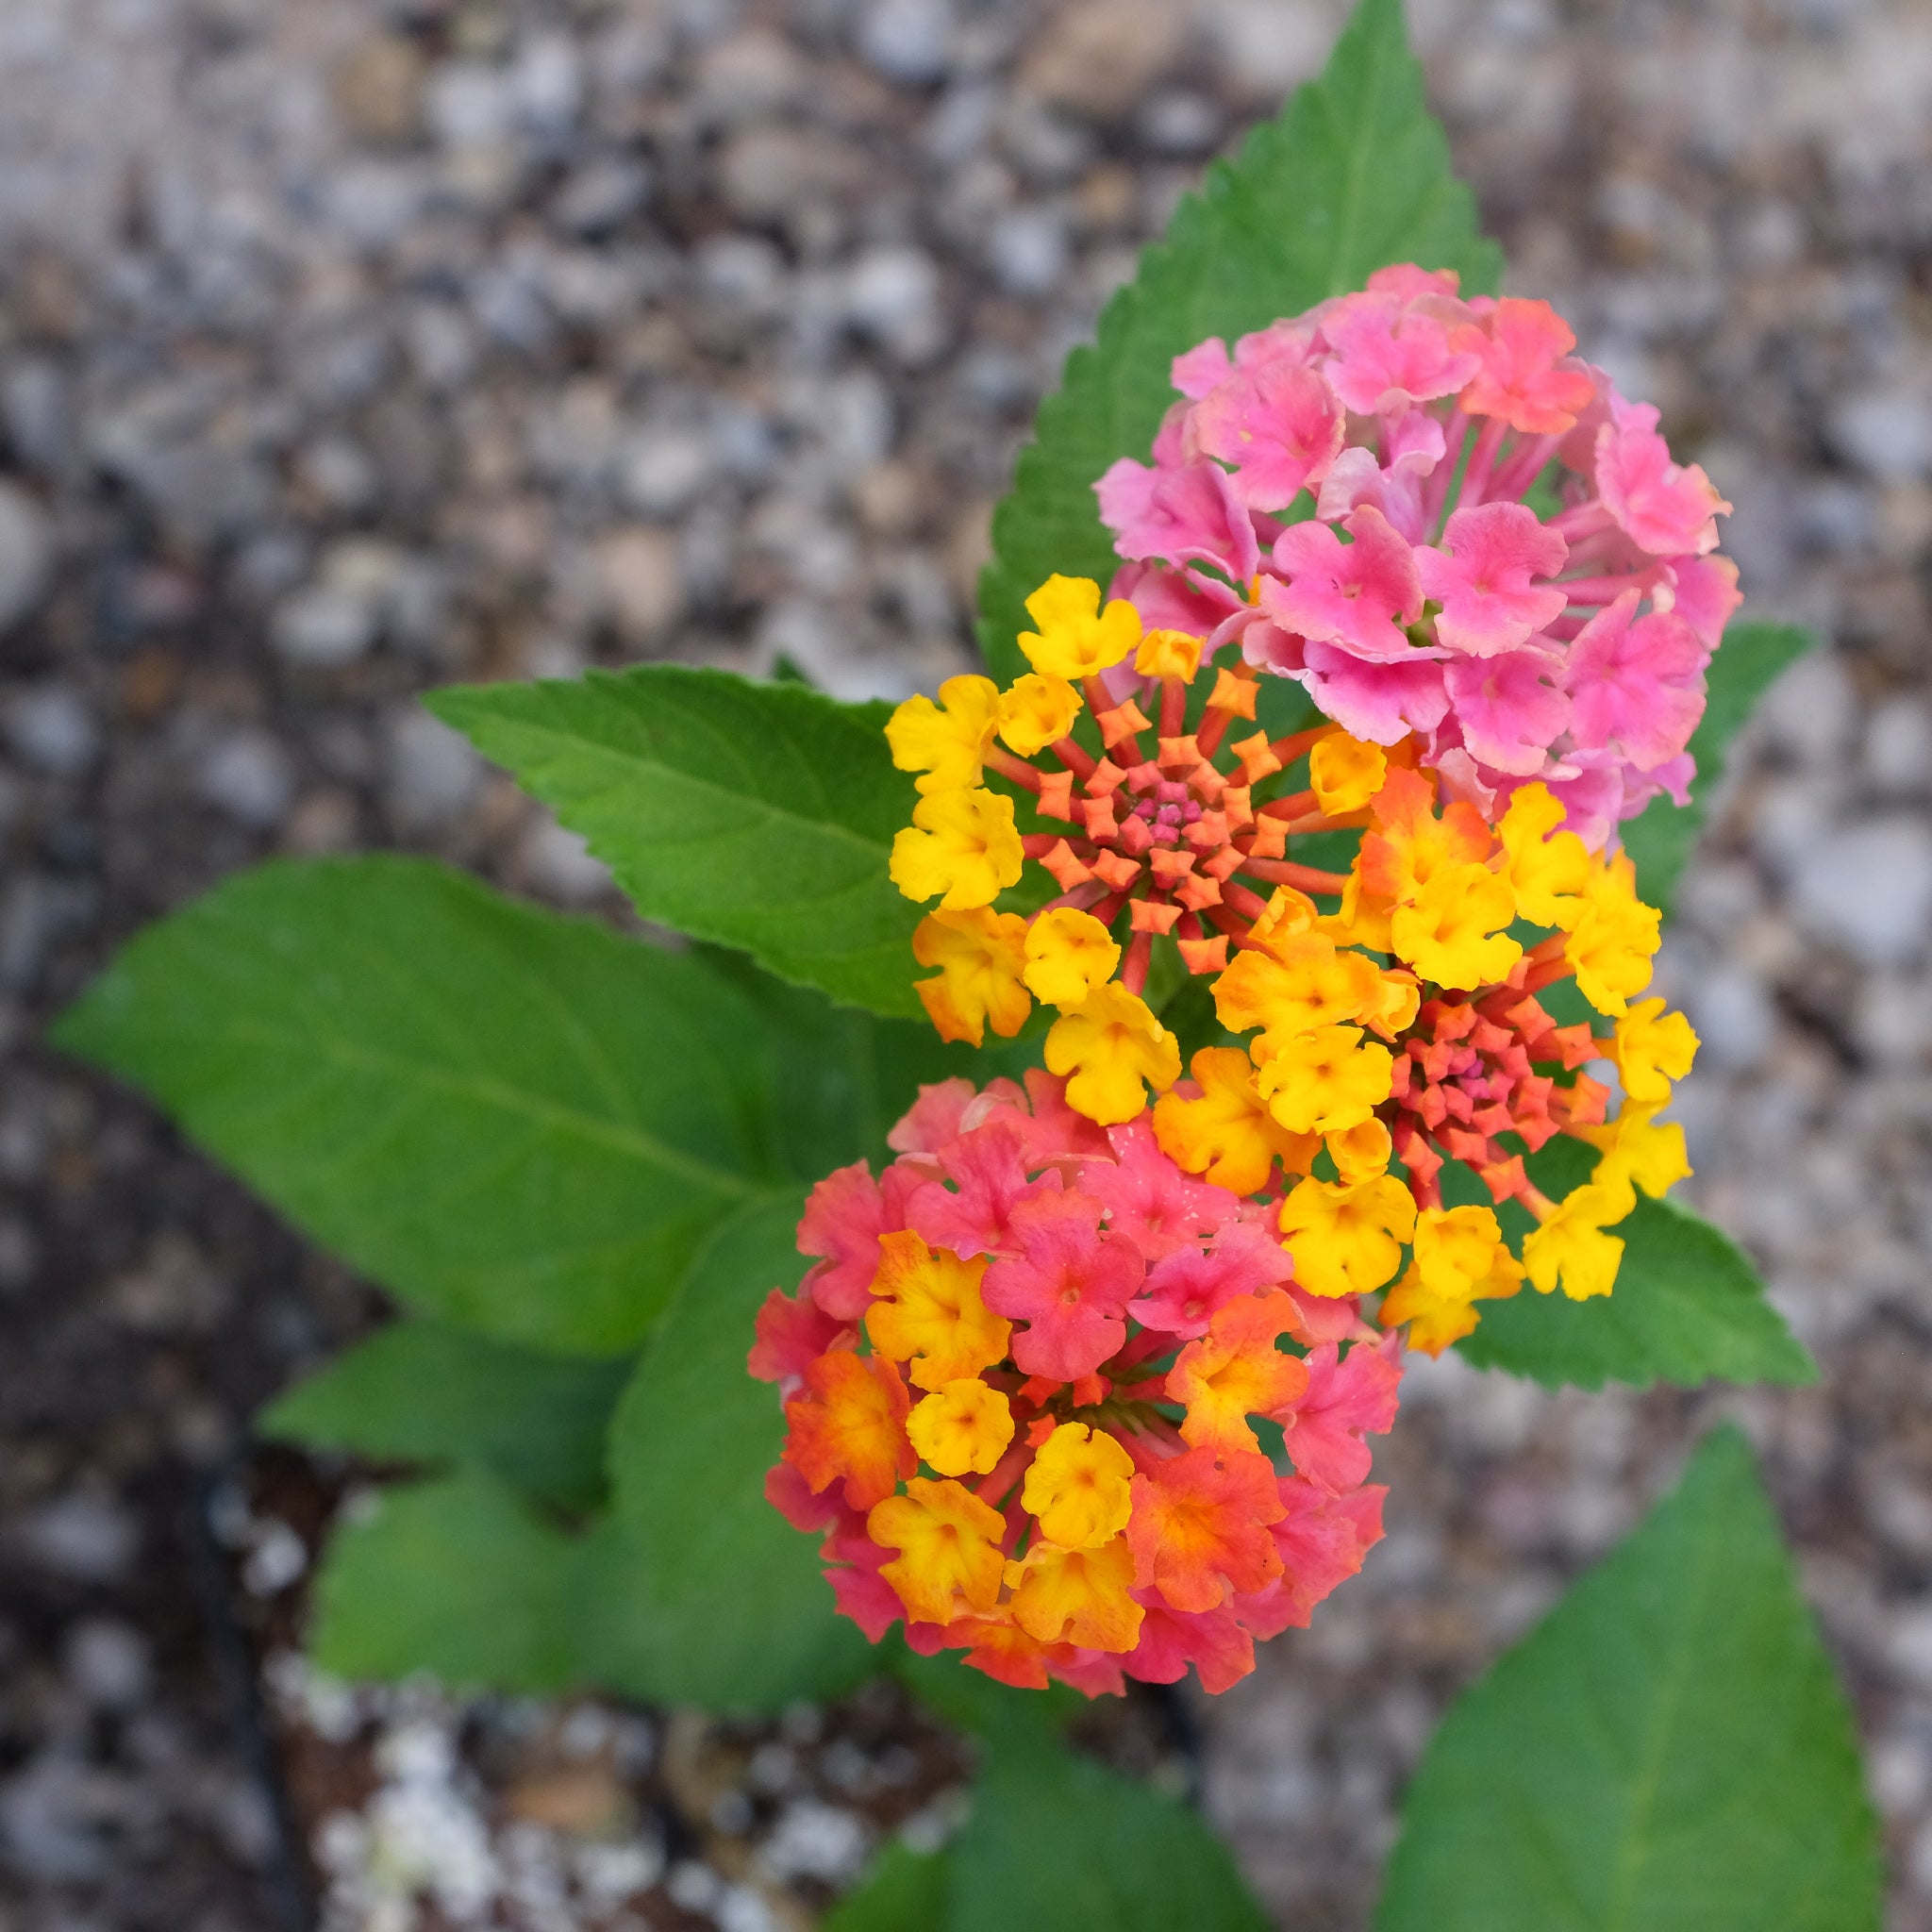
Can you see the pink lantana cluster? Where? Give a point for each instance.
(1344, 495)
(1021, 1386)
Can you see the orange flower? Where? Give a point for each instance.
(851, 1423)
(948, 1540)
(1199, 1528)
(1235, 1371)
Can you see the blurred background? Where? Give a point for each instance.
(354, 346)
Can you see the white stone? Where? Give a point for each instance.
(26, 554)
(107, 1663)
(908, 40)
(892, 293)
(432, 773)
(1028, 251)
(1868, 888)
(324, 625)
(1887, 433)
(247, 774)
(662, 471)
(51, 728)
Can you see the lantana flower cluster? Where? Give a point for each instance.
(1497, 594)
(1022, 1388)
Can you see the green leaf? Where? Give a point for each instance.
(759, 816)
(421, 1391)
(1058, 1840)
(455, 1576)
(1661, 837)
(905, 1890)
(1688, 1308)
(699, 1591)
(1668, 1753)
(840, 1077)
(518, 1122)
(1352, 176)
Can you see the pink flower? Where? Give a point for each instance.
(1636, 687)
(1510, 709)
(1481, 578)
(1357, 478)
(1202, 369)
(1149, 1201)
(1388, 354)
(1212, 1641)
(1356, 595)
(988, 1167)
(1185, 1288)
(844, 1219)
(1524, 377)
(1380, 703)
(1667, 509)
(1278, 425)
(1703, 591)
(1348, 1396)
(933, 1119)
(1323, 1540)
(791, 1333)
(1068, 1284)
(1174, 599)
(1186, 515)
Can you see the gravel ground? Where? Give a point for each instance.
(350, 348)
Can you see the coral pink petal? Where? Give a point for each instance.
(1347, 1397)
(1067, 1283)
(1149, 1201)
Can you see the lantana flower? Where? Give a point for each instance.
(1039, 1437)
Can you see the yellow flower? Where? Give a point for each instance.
(1327, 1081)
(1434, 1319)
(1345, 772)
(1360, 1151)
(1346, 1239)
(1068, 954)
(1111, 1043)
(1168, 654)
(1652, 1048)
(1571, 1247)
(1079, 1487)
(1036, 712)
(1615, 936)
(1297, 984)
(1458, 1249)
(963, 1427)
(1547, 873)
(1449, 933)
(947, 740)
(1076, 638)
(927, 1310)
(1637, 1152)
(1077, 1596)
(961, 843)
(949, 1545)
(1227, 1135)
(982, 957)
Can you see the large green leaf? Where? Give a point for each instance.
(1661, 837)
(519, 1122)
(840, 1077)
(699, 1591)
(1057, 1839)
(455, 1576)
(761, 816)
(1668, 1753)
(424, 1392)
(1688, 1307)
(1352, 176)
(903, 1891)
